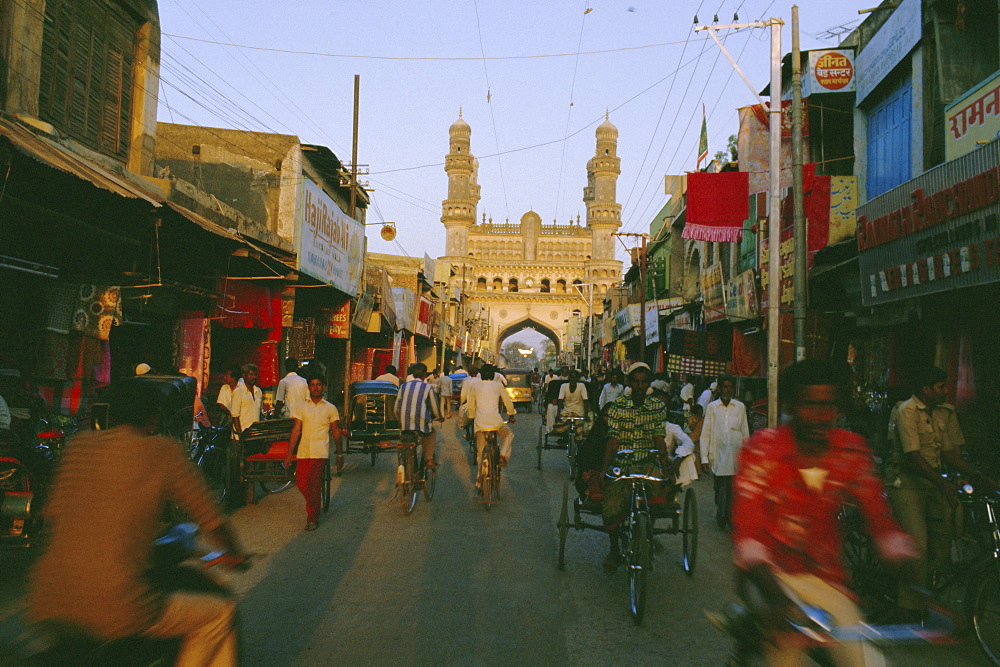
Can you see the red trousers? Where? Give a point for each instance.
(308, 477)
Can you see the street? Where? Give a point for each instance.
(454, 584)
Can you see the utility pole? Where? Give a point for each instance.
(774, 205)
(799, 279)
(642, 290)
(350, 314)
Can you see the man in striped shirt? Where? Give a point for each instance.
(417, 408)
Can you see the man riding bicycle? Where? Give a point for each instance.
(485, 397)
(417, 409)
(791, 484)
(635, 423)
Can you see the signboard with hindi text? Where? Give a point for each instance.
(973, 119)
(830, 71)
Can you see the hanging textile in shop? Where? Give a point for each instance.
(705, 345)
(717, 206)
(248, 305)
(747, 354)
(192, 349)
(98, 308)
(61, 302)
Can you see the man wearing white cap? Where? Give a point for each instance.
(707, 397)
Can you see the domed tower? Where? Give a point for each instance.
(459, 209)
(603, 211)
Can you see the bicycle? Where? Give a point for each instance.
(568, 441)
(412, 475)
(811, 628)
(978, 572)
(489, 470)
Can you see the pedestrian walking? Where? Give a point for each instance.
(317, 421)
(724, 431)
(389, 375)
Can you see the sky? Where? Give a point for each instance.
(533, 78)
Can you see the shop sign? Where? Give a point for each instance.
(430, 269)
(830, 71)
(896, 38)
(627, 321)
(973, 118)
(911, 243)
(335, 322)
(363, 312)
(741, 303)
(713, 294)
(424, 317)
(607, 331)
(651, 323)
(406, 306)
(329, 244)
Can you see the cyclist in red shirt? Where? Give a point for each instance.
(790, 485)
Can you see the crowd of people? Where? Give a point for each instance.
(778, 491)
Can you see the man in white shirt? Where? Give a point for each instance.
(484, 400)
(389, 375)
(316, 421)
(247, 401)
(573, 397)
(687, 395)
(292, 389)
(612, 390)
(707, 396)
(722, 435)
(230, 380)
(680, 447)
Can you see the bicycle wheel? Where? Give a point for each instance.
(278, 486)
(640, 561)
(409, 491)
(541, 443)
(869, 578)
(324, 489)
(689, 531)
(986, 612)
(571, 451)
(563, 525)
(430, 479)
(486, 480)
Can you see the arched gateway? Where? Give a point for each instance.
(530, 274)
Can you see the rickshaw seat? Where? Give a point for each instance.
(277, 452)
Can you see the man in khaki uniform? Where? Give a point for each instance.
(925, 434)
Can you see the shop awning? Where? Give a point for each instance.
(57, 156)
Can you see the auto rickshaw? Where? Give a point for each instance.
(519, 386)
(372, 425)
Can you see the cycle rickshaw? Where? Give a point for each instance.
(676, 509)
(371, 426)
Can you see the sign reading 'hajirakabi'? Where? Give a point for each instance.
(329, 243)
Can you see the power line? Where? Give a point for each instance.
(426, 58)
(496, 137)
(569, 110)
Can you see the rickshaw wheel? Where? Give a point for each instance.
(430, 479)
(689, 530)
(639, 562)
(541, 443)
(374, 454)
(563, 526)
(324, 489)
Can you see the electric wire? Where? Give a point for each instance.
(569, 110)
(493, 118)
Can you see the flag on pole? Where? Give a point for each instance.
(703, 140)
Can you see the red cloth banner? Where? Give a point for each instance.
(717, 206)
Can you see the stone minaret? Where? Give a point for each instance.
(459, 209)
(604, 213)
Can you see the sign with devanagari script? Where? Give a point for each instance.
(973, 119)
(830, 71)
